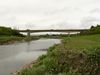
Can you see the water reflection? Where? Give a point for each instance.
(28, 46)
(13, 57)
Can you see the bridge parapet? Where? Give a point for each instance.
(67, 30)
(57, 30)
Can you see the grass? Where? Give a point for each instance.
(7, 39)
(81, 42)
(11, 39)
(77, 55)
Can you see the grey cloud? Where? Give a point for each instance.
(8, 19)
(63, 25)
(88, 21)
(30, 26)
(62, 10)
(49, 13)
(96, 10)
(4, 11)
(42, 8)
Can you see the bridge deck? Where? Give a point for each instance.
(67, 30)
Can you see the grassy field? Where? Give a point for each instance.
(82, 42)
(9, 39)
(77, 55)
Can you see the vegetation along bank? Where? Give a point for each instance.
(8, 35)
(76, 55)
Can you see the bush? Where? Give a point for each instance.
(92, 30)
(92, 64)
(9, 32)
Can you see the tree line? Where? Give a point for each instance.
(92, 30)
(7, 31)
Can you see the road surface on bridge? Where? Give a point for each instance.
(53, 30)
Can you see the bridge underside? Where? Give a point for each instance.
(36, 31)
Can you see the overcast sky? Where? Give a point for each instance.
(44, 14)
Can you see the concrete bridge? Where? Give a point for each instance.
(52, 30)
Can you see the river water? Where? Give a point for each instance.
(14, 57)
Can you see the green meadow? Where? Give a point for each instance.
(82, 42)
(9, 39)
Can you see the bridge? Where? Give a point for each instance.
(52, 30)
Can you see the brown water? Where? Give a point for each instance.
(14, 57)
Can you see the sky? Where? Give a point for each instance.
(49, 14)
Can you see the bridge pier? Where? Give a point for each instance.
(28, 33)
(28, 37)
(69, 34)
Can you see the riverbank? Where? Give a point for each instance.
(77, 55)
(5, 40)
(9, 36)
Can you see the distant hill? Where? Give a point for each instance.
(6, 31)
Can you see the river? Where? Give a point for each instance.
(13, 57)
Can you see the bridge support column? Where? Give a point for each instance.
(28, 38)
(76, 33)
(68, 34)
(28, 34)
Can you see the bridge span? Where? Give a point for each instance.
(52, 30)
